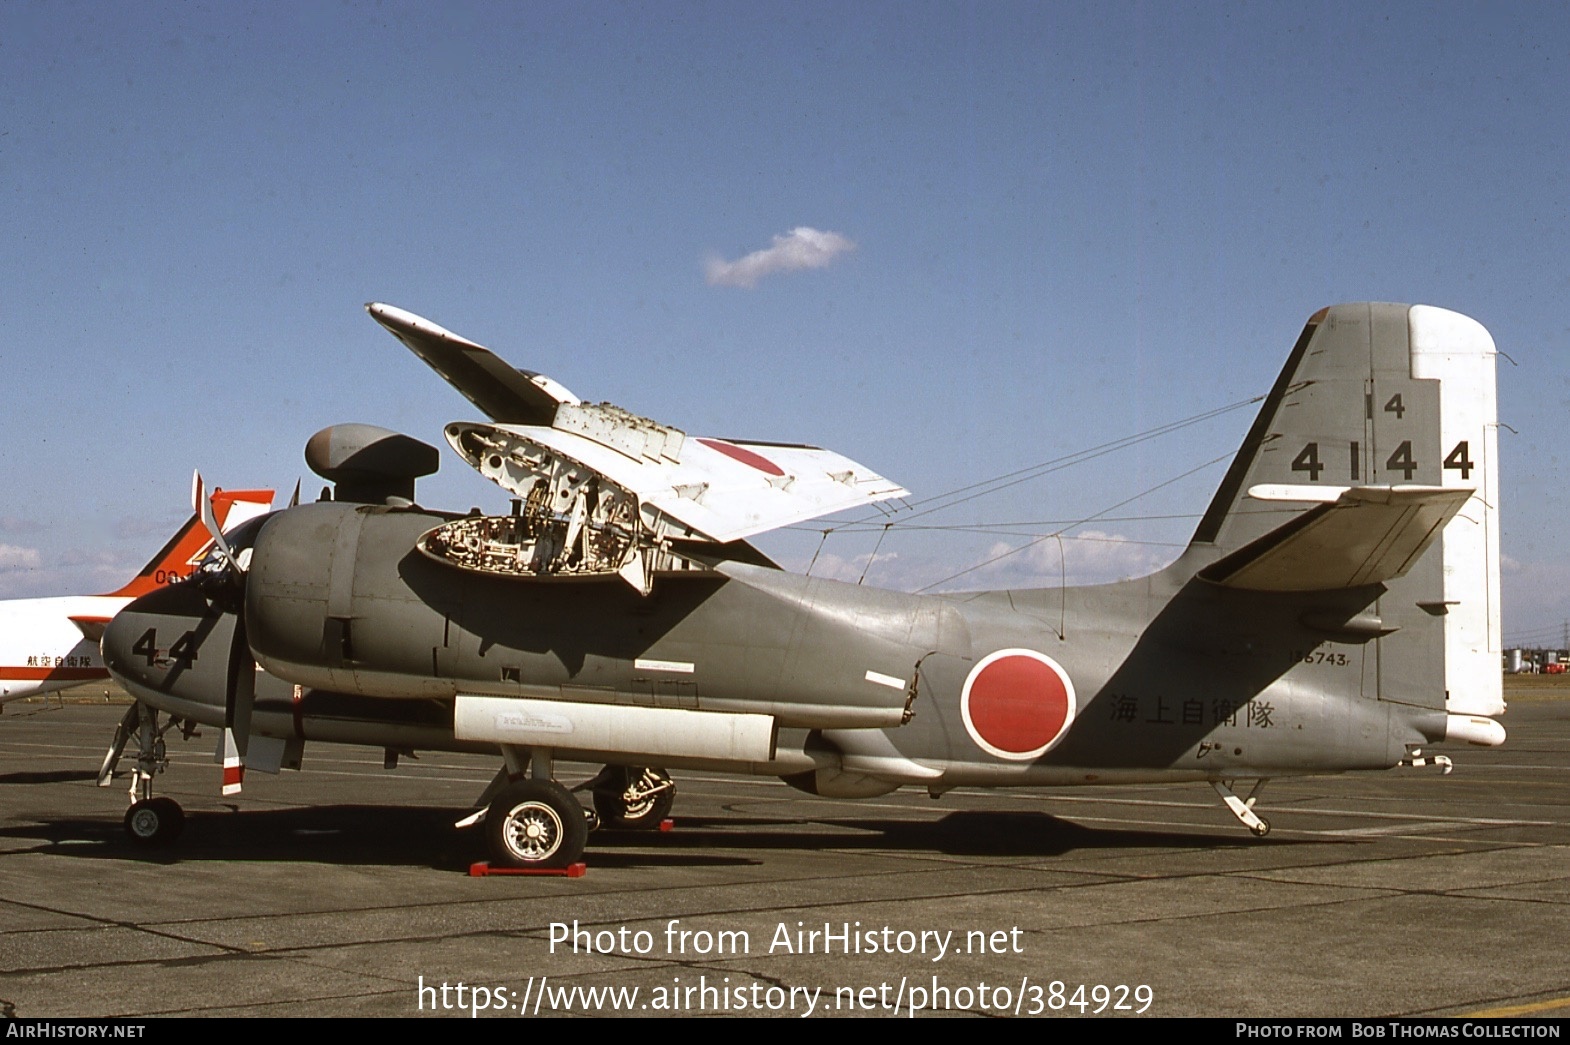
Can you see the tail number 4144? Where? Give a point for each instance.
(1458, 459)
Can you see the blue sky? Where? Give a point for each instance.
(1070, 223)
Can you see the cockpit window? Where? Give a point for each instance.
(244, 535)
(241, 540)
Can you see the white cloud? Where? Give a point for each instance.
(801, 248)
(13, 558)
(27, 573)
(839, 568)
(1086, 557)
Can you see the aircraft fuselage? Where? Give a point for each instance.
(42, 650)
(1154, 679)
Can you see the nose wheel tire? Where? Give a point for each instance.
(154, 821)
(536, 823)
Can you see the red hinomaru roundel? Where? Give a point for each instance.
(744, 455)
(1017, 703)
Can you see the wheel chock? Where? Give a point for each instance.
(483, 869)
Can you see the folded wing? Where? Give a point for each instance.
(715, 489)
(502, 392)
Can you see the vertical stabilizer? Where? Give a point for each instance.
(180, 554)
(1379, 403)
(1317, 425)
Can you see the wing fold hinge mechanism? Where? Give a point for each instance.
(569, 522)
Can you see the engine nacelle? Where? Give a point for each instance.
(339, 597)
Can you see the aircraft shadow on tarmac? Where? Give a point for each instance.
(389, 836)
(54, 776)
(966, 833)
(346, 835)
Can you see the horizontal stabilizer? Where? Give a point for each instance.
(1366, 535)
(91, 627)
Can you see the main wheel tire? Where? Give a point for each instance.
(154, 821)
(535, 823)
(641, 814)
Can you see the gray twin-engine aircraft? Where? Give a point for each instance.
(1337, 609)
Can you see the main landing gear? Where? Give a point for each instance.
(632, 798)
(531, 821)
(150, 821)
(536, 823)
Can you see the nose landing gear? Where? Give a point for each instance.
(154, 821)
(149, 821)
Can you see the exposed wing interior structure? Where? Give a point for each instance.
(602, 491)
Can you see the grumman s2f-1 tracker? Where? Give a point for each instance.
(1337, 608)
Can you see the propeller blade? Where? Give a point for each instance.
(294, 500)
(234, 765)
(203, 506)
(239, 699)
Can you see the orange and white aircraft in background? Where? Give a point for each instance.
(52, 643)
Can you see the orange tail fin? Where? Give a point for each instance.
(178, 558)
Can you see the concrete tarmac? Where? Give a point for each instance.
(342, 890)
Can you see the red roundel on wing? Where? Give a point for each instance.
(745, 456)
(1018, 704)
